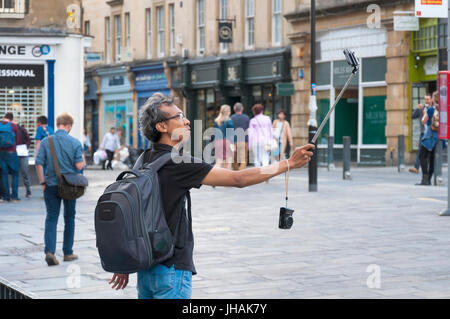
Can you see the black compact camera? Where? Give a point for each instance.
(286, 219)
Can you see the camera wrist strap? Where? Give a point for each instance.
(286, 182)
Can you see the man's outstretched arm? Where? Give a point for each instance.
(252, 176)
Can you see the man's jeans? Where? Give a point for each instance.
(417, 163)
(25, 173)
(53, 204)
(10, 164)
(161, 282)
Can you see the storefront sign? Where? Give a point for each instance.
(225, 32)
(21, 75)
(24, 51)
(406, 23)
(431, 8)
(151, 77)
(285, 89)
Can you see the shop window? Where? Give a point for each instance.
(374, 69)
(341, 73)
(374, 116)
(323, 76)
(116, 116)
(26, 103)
(323, 106)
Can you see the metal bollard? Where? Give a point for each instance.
(347, 158)
(401, 153)
(331, 166)
(438, 152)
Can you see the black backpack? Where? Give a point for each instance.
(130, 224)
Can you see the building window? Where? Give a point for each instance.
(87, 27)
(149, 33)
(118, 30)
(108, 40)
(426, 39)
(12, 8)
(172, 28)
(250, 23)
(200, 27)
(224, 15)
(276, 22)
(127, 30)
(160, 22)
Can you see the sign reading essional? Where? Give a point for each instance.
(21, 75)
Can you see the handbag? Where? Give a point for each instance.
(70, 186)
(435, 121)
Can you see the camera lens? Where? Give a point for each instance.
(289, 222)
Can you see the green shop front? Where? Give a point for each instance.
(423, 69)
(249, 78)
(361, 112)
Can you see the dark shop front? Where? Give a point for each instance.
(248, 78)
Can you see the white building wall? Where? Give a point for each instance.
(69, 82)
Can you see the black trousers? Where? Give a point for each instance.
(427, 161)
(110, 156)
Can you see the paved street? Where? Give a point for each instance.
(376, 236)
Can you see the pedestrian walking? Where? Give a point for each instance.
(259, 136)
(9, 161)
(282, 134)
(429, 140)
(418, 114)
(87, 147)
(22, 148)
(42, 131)
(69, 154)
(224, 138)
(159, 118)
(110, 144)
(241, 123)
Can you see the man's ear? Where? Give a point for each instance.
(161, 127)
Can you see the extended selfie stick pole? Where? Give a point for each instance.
(353, 62)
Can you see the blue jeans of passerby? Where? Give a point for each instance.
(25, 173)
(53, 204)
(161, 282)
(10, 164)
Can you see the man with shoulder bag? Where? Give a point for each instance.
(63, 156)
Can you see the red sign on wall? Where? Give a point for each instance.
(443, 82)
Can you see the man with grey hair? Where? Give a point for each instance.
(241, 122)
(165, 125)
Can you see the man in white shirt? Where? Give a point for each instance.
(110, 144)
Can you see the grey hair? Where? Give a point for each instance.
(238, 107)
(150, 115)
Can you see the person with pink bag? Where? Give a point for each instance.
(259, 135)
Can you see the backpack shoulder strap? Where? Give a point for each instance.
(160, 162)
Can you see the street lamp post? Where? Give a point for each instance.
(312, 122)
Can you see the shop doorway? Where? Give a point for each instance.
(347, 117)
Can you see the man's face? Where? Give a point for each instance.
(113, 131)
(177, 126)
(427, 99)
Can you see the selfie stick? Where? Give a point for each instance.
(353, 62)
